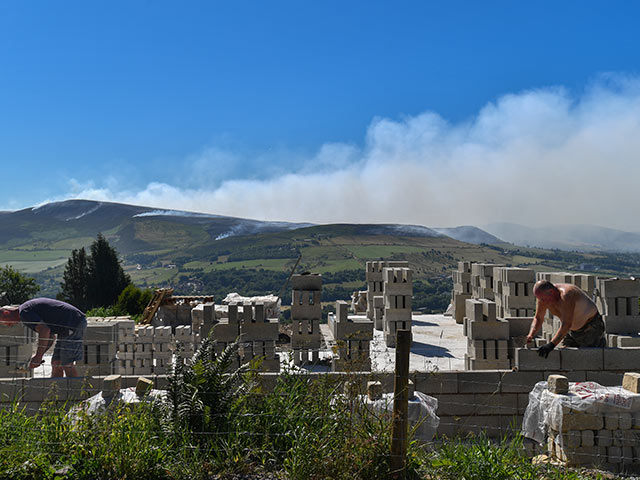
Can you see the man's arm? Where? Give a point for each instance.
(567, 320)
(536, 323)
(45, 340)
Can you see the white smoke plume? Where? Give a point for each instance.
(538, 157)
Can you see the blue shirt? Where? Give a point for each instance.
(61, 318)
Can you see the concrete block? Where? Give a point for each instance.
(479, 382)
(625, 421)
(528, 359)
(260, 331)
(519, 326)
(624, 341)
(456, 405)
(587, 438)
(464, 266)
(611, 421)
(519, 382)
(619, 287)
(307, 282)
(514, 274)
(143, 386)
(497, 403)
(15, 335)
(631, 382)
(576, 420)
(609, 379)
(604, 438)
(622, 324)
(581, 358)
(626, 359)
(436, 383)
(459, 306)
(479, 330)
(374, 390)
(558, 384)
(111, 385)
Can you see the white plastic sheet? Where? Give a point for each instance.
(546, 408)
(421, 413)
(99, 403)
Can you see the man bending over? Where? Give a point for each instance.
(51, 318)
(582, 325)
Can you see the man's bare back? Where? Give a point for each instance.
(574, 307)
(581, 323)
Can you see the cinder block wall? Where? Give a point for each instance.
(491, 401)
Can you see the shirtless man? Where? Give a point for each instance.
(582, 325)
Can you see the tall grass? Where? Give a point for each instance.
(215, 424)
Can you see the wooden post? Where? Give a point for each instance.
(399, 426)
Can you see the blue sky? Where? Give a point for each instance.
(199, 105)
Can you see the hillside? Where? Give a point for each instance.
(585, 238)
(196, 253)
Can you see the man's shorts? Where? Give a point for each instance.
(69, 348)
(591, 335)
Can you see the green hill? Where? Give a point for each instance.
(212, 254)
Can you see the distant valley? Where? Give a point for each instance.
(216, 254)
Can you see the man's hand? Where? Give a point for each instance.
(544, 350)
(35, 362)
(529, 338)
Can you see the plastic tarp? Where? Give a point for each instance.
(421, 413)
(271, 303)
(99, 403)
(547, 409)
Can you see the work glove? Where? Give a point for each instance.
(545, 349)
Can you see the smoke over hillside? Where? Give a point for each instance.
(537, 157)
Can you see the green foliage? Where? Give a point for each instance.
(133, 300)
(74, 280)
(122, 443)
(200, 393)
(432, 295)
(302, 429)
(111, 311)
(481, 458)
(105, 276)
(17, 287)
(95, 280)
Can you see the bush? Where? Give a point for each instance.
(133, 300)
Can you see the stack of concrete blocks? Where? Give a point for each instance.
(203, 316)
(582, 280)
(513, 291)
(143, 350)
(618, 303)
(173, 314)
(226, 331)
(100, 346)
(353, 337)
(189, 341)
(461, 290)
(398, 293)
(487, 337)
(482, 280)
(375, 286)
(606, 435)
(162, 350)
(126, 347)
(306, 313)
(259, 336)
(16, 349)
